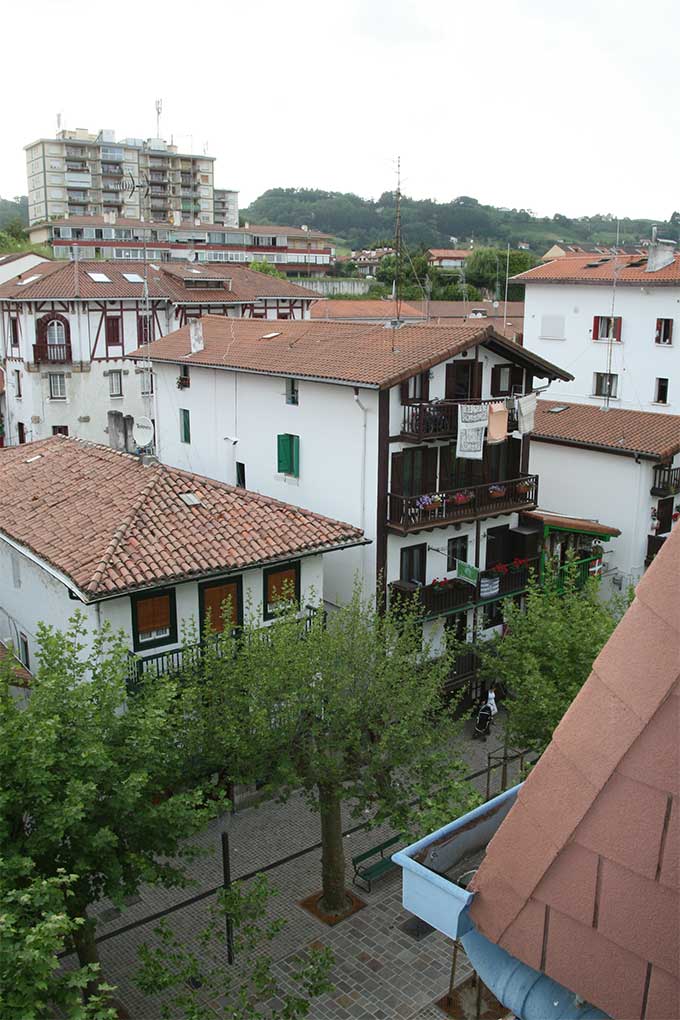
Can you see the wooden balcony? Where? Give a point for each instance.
(666, 480)
(52, 354)
(436, 599)
(579, 570)
(438, 419)
(437, 509)
(505, 579)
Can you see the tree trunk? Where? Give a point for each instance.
(85, 946)
(334, 899)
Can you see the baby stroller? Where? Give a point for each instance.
(482, 722)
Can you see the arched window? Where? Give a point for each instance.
(55, 332)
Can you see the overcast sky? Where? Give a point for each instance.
(569, 108)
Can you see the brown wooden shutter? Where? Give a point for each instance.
(517, 379)
(41, 329)
(657, 334)
(404, 392)
(113, 337)
(476, 380)
(281, 584)
(447, 459)
(669, 338)
(513, 469)
(617, 327)
(596, 327)
(153, 613)
(397, 475)
(496, 381)
(430, 455)
(214, 598)
(425, 386)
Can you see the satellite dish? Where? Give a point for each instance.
(142, 432)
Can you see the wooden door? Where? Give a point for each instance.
(664, 515)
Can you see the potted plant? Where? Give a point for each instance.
(497, 491)
(523, 488)
(501, 568)
(462, 497)
(518, 564)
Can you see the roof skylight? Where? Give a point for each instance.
(556, 410)
(29, 279)
(269, 336)
(99, 277)
(190, 498)
(133, 278)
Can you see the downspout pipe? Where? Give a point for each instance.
(364, 409)
(528, 993)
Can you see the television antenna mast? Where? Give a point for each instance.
(159, 110)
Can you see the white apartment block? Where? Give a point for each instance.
(614, 322)
(80, 173)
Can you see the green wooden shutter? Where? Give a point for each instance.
(295, 456)
(284, 460)
(185, 425)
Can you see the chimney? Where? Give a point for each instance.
(196, 335)
(660, 253)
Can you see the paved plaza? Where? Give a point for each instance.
(380, 971)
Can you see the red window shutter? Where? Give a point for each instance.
(281, 585)
(396, 475)
(617, 327)
(596, 327)
(113, 338)
(657, 334)
(476, 382)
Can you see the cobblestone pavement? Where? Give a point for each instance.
(380, 971)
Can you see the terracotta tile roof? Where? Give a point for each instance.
(124, 221)
(22, 675)
(581, 524)
(599, 269)
(464, 309)
(651, 435)
(13, 256)
(61, 279)
(449, 253)
(381, 309)
(582, 878)
(113, 525)
(348, 352)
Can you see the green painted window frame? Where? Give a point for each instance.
(288, 454)
(184, 425)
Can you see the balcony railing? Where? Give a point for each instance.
(505, 579)
(579, 570)
(439, 598)
(177, 660)
(52, 354)
(666, 480)
(654, 543)
(411, 513)
(438, 419)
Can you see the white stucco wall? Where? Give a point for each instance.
(608, 488)
(637, 359)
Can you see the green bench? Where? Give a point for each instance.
(368, 872)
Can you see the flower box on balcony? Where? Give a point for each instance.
(461, 498)
(497, 491)
(183, 382)
(523, 488)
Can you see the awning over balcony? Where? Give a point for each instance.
(577, 525)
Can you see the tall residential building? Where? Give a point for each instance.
(225, 207)
(83, 174)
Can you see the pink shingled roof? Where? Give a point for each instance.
(581, 879)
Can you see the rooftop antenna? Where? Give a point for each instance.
(398, 244)
(159, 110)
(610, 336)
(58, 123)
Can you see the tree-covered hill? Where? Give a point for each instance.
(12, 209)
(363, 222)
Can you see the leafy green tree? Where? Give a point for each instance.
(93, 784)
(189, 978)
(350, 712)
(34, 929)
(268, 268)
(547, 653)
(486, 268)
(15, 229)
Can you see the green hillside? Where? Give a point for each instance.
(12, 209)
(360, 222)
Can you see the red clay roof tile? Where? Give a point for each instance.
(112, 525)
(581, 270)
(635, 432)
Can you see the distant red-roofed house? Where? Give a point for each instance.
(145, 547)
(448, 258)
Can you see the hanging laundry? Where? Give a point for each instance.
(498, 423)
(526, 411)
(489, 586)
(472, 422)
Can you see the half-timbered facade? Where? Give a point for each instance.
(66, 330)
(360, 422)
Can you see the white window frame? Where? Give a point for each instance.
(665, 379)
(54, 395)
(116, 383)
(56, 326)
(613, 385)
